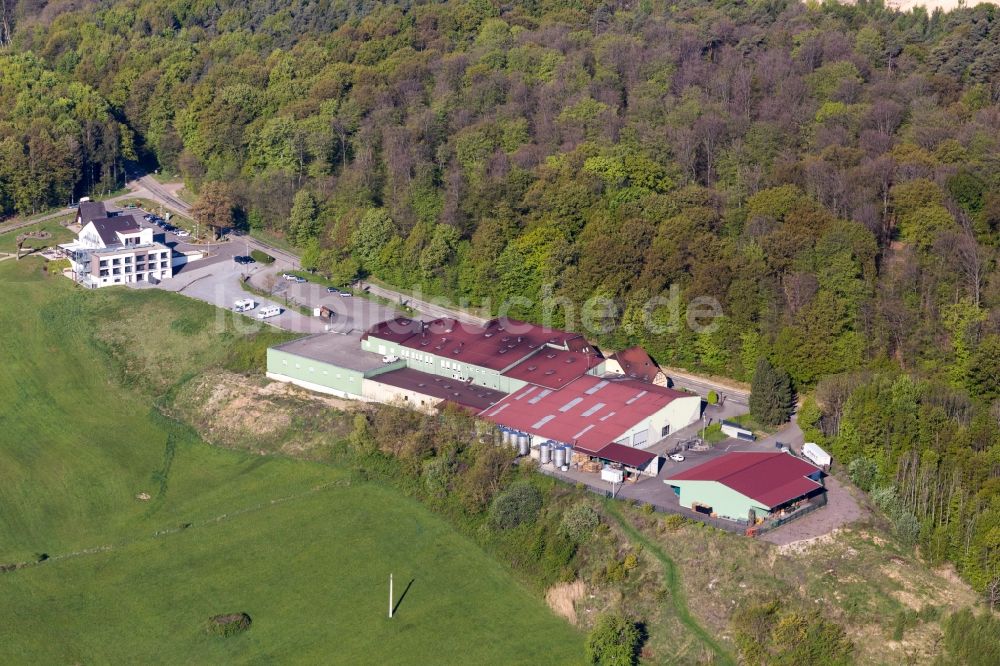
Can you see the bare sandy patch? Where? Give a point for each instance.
(254, 413)
(805, 545)
(562, 598)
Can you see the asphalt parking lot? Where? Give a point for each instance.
(353, 313)
(217, 279)
(216, 252)
(219, 283)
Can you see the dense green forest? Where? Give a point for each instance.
(829, 174)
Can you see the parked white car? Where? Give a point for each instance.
(269, 311)
(244, 305)
(676, 457)
(389, 358)
(289, 277)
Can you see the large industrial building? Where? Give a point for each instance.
(504, 355)
(748, 486)
(591, 412)
(550, 386)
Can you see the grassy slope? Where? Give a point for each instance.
(60, 234)
(678, 602)
(312, 573)
(76, 447)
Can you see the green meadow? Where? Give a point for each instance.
(301, 547)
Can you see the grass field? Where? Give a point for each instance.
(292, 543)
(60, 234)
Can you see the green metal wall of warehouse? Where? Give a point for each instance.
(725, 501)
(325, 375)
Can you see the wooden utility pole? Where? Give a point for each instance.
(390, 596)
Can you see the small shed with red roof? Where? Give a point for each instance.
(736, 484)
(632, 460)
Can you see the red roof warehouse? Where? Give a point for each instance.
(588, 413)
(765, 481)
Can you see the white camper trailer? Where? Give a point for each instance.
(814, 453)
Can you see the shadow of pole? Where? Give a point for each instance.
(402, 596)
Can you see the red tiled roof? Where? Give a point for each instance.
(554, 368)
(635, 362)
(394, 330)
(770, 478)
(498, 345)
(625, 455)
(589, 413)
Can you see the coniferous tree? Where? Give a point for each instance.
(771, 396)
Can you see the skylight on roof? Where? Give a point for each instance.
(583, 432)
(571, 404)
(593, 410)
(542, 421)
(596, 387)
(500, 409)
(608, 416)
(538, 398)
(528, 391)
(636, 397)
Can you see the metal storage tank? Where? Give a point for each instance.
(560, 456)
(507, 436)
(523, 445)
(545, 453)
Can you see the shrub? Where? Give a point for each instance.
(228, 625)
(768, 633)
(579, 522)
(57, 266)
(971, 639)
(437, 473)
(884, 497)
(518, 505)
(712, 398)
(614, 572)
(907, 527)
(614, 641)
(863, 473)
(630, 562)
(261, 257)
(674, 522)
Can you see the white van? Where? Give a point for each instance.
(244, 305)
(269, 311)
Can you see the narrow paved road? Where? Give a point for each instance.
(728, 393)
(162, 194)
(20, 224)
(421, 305)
